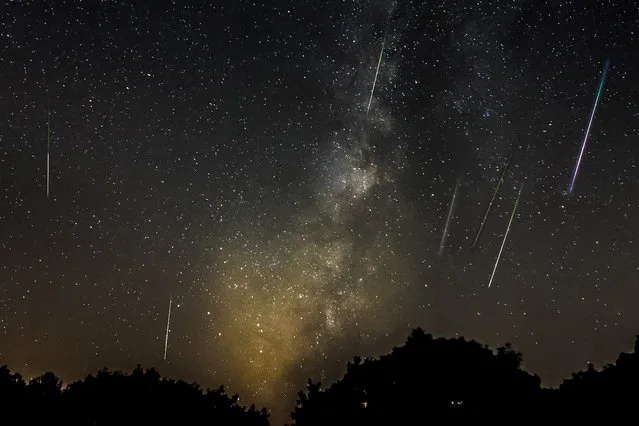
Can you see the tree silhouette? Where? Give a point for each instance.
(114, 398)
(44, 392)
(609, 394)
(426, 379)
(12, 391)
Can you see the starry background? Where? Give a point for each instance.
(220, 153)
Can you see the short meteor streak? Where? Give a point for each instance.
(48, 151)
(503, 243)
(450, 214)
(492, 201)
(168, 323)
(592, 115)
(379, 63)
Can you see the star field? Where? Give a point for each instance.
(221, 154)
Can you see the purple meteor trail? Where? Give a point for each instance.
(592, 115)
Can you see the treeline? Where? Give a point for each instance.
(114, 398)
(426, 381)
(439, 381)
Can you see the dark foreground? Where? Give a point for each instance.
(426, 381)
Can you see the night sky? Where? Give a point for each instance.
(220, 155)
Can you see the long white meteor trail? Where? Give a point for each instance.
(592, 115)
(168, 324)
(379, 63)
(48, 150)
(450, 214)
(503, 243)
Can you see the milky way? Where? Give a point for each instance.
(298, 295)
(223, 157)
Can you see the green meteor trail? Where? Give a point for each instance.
(492, 201)
(503, 243)
(379, 63)
(168, 325)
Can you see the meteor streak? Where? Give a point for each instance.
(168, 323)
(450, 214)
(592, 115)
(48, 150)
(503, 242)
(379, 62)
(492, 201)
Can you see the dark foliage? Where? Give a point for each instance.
(610, 394)
(437, 381)
(426, 381)
(114, 398)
